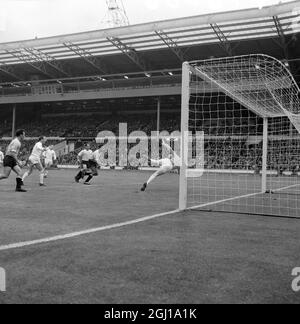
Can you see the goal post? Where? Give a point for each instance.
(264, 156)
(248, 108)
(185, 101)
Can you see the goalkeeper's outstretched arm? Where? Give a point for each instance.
(167, 146)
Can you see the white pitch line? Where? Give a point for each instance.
(85, 232)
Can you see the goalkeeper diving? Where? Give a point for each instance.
(166, 165)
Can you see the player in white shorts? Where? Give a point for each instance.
(166, 165)
(35, 160)
(50, 157)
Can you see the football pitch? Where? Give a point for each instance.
(111, 243)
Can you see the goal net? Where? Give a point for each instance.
(248, 109)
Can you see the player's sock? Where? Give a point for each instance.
(152, 178)
(83, 174)
(88, 179)
(42, 178)
(79, 176)
(25, 175)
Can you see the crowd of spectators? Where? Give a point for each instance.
(89, 127)
(283, 155)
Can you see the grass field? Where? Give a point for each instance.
(188, 257)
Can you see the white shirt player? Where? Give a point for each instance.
(1, 157)
(36, 155)
(50, 155)
(86, 155)
(14, 148)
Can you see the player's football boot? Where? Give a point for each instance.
(20, 190)
(19, 185)
(144, 187)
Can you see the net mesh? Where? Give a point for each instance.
(229, 100)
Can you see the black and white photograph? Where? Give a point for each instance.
(149, 155)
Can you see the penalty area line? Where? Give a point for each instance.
(82, 233)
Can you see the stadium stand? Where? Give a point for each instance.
(220, 152)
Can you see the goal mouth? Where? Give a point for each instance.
(248, 108)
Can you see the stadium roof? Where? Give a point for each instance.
(157, 48)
